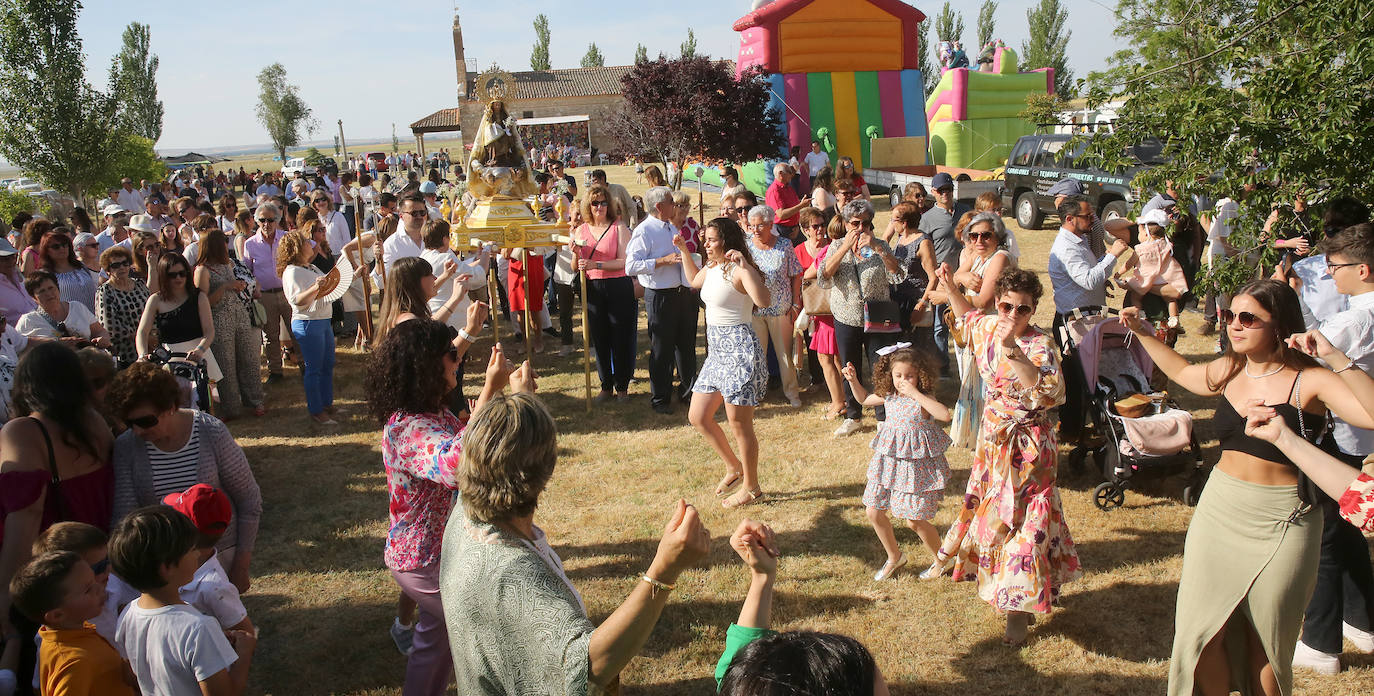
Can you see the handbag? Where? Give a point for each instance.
(1308, 492)
(258, 314)
(815, 299)
(880, 316)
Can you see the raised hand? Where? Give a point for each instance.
(477, 315)
(685, 542)
(1312, 343)
(755, 544)
(1005, 333)
(523, 379)
(1130, 318)
(498, 369)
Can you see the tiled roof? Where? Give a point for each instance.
(441, 120)
(574, 82)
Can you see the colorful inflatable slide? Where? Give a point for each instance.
(973, 115)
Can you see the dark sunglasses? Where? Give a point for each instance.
(599, 204)
(172, 275)
(116, 265)
(976, 236)
(143, 422)
(1247, 320)
(1009, 308)
(267, 219)
(101, 565)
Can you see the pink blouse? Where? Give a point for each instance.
(606, 249)
(421, 453)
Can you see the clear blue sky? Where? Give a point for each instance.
(377, 62)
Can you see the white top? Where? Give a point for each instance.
(725, 306)
(131, 201)
(1227, 210)
(815, 162)
(336, 231)
(1319, 297)
(1352, 331)
(471, 265)
(211, 593)
(78, 322)
(172, 649)
(399, 246)
(296, 279)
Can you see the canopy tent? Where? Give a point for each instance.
(559, 130)
(191, 159)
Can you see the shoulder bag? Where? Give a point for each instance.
(880, 316)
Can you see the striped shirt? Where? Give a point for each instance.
(174, 472)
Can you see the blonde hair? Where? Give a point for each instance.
(509, 451)
(288, 248)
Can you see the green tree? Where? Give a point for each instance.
(987, 24)
(1044, 109)
(132, 156)
(949, 25)
(1049, 39)
(313, 156)
(53, 124)
(281, 110)
(539, 57)
(928, 66)
(12, 204)
(133, 84)
(1291, 116)
(1180, 29)
(641, 54)
(689, 47)
(593, 57)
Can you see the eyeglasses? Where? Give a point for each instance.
(266, 219)
(143, 422)
(978, 236)
(173, 275)
(599, 204)
(1333, 266)
(1009, 308)
(1247, 319)
(101, 565)
(416, 213)
(116, 265)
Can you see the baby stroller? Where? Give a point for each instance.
(1133, 430)
(193, 377)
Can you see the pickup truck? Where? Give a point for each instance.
(1037, 162)
(891, 181)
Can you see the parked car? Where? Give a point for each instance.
(293, 166)
(25, 185)
(377, 160)
(1037, 162)
(892, 181)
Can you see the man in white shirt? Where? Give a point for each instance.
(1218, 249)
(111, 198)
(116, 220)
(1080, 281)
(128, 196)
(816, 160)
(1344, 592)
(408, 240)
(668, 301)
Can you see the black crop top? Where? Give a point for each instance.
(1230, 427)
(180, 324)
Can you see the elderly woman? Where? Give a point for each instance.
(412, 370)
(782, 276)
(1010, 535)
(516, 623)
(687, 226)
(860, 271)
(812, 224)
(58, 255)
(15, 301)
(168, 449)
(56, 319)
(981, 262)
(119, 303)
(88, 253)
(612, 309)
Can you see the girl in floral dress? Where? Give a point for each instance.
(1010, 535)
(908, 471)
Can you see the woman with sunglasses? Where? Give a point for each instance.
(58, 256)
(981, 262)
(820, 338)
(849, 174)
(301, 285)
(729, 191)
(1250, 558)
(228, 209)
(238, 344)
(1010, 535)
(88, 253)
(168, 449)
(612, 309)
(56, 319)
(119, 303)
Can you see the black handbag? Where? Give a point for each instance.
(880, 316)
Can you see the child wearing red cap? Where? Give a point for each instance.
(210, 591)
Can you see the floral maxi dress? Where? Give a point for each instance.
(1010, 535)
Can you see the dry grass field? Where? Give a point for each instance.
(324, 601)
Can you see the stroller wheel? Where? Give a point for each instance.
(1107, 496)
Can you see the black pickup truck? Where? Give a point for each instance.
(1037, 162)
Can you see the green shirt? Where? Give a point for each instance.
(735, 639)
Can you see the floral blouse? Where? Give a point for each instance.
(779, 266)
(421, 453)
(847, 293)
(1357, 505)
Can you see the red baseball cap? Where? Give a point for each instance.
(208, 507)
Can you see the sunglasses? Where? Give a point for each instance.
(101, 565)
(267, 219)
(1009, 308)
(978, 236)
(173, 275)
(116, 265)
(599, 204)
(1247, 320)
(143, 422)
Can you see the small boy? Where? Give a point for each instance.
(174, 650)
(210, 592)
(89, 543)
(59, 590)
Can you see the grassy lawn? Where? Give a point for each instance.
(324, 600)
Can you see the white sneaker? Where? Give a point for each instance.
(1363, 640)
(403, 636)
(848, 427)
(1315, 660)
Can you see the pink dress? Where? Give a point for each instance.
(823, 337)
(1157, 266)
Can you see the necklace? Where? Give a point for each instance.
(1271, 372)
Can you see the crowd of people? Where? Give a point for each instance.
(130, 514)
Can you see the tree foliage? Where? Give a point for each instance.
(689, 47)
(987, 24)
(1160, 31)
(949, 24)
(53, 124)
(1291, 117)
(1043, 109)
(641, 54)
(1048, 42)
(133, 84)
(132, 156)
(927, 64)
(281, 110)
(12, 204)
(313, 156)
(593, 57)
(694, 107)
(539, 57)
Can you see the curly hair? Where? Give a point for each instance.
(1019, 280)
(49, 380)
(289, 248)
(925, 371)
(613, 211)
(143, 384)
(731, 237)
(509, 452)
(405, 372)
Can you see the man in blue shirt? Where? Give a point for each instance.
(669, 302)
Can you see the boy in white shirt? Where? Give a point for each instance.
(174, 650)
(210, 591)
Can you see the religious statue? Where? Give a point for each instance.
(500, 166)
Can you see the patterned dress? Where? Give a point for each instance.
(908, 471)
(236, 347)
(421, 453)
(119, 311)
(1010, 535)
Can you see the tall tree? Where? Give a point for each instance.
(987, 24)
(53, 124)
(281, 110)
(689, 47)
(1181, 29)
(1049, 39)
(641, 54)
(539, 57)
(927, 64)
(133, 84)
(694, 107)
(593, 57)
(949, 25)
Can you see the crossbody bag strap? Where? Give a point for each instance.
(56, 482)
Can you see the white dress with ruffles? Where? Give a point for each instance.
(908, 471)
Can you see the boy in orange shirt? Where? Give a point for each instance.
(61, 591)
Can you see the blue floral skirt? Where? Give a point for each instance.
(735, 365)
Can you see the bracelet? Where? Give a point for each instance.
(463, 334)
(657, 584)
(1347, 367)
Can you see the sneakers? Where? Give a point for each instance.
(848, 427)
(1315, 660)
(1363, 640)
(890, 568)
(402, 636)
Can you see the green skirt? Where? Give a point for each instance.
(1251, 551)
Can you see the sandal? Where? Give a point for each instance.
(938, 568)
(728, 484)
(890, 568)
(735, 500)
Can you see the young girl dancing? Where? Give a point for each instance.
(908, 471)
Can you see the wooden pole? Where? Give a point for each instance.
(494, 300)
(366, 328)
(586, 341)
(529, 306)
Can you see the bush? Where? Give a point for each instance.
(12, 204)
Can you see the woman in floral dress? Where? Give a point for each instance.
(1010, 535)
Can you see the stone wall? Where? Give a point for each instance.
(598, 108)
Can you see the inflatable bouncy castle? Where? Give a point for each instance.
(972, 114)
